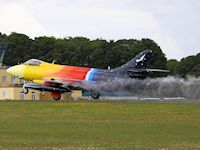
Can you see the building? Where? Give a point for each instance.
(11, 89)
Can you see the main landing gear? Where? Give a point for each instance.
(94, 94)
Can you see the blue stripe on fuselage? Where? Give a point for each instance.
(90, 74)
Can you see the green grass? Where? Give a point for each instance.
(98, 126)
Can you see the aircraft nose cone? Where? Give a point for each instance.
(10, 70)
(15, 70)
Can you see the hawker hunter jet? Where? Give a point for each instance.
(59, 79)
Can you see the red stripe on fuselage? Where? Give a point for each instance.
(72, 72)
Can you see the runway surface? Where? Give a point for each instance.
(156, 101)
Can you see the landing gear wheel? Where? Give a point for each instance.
(56, 96)
(25, 91)
(95, 95)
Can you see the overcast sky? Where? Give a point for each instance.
(173, 24)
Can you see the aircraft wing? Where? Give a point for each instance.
(53, 85)
(63, 83)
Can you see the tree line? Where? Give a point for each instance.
(187, 66)
(98, 53)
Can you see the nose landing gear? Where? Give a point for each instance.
(25, 90)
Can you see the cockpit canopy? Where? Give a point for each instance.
(33, 62)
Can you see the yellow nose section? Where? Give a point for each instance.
(17, 70)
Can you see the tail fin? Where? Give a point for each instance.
(138, 61)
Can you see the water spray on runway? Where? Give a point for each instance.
(156, 87)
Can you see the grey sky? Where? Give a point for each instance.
(174, 25)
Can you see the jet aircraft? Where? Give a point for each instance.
(59, 79)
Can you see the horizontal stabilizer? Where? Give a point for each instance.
(157, 70)
(142, 70)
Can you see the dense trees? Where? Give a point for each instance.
(91, 53)
(172, 66)
(187, 66)
(78, 51)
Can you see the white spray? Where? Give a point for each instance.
(155, 87)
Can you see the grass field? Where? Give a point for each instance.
(98, 126)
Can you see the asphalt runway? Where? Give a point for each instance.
(168, 101)
(173, 102)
